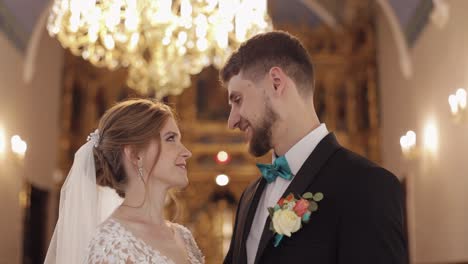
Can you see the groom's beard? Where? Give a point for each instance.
(260, 143)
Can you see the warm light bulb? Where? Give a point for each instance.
(222, 180)
(112, 18)
(222, 37)
(408, 144)
(131, 19)
(2, 141)
(18, 146)
(109, 42)
(185, 8)
(74, 23)
(202, 44)
(431, 140)
(166, 40)
(411, 138)
(461, 97)
(404, 142)
(133, 41)
(182, 37)
(453, 102)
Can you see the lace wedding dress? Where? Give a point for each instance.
(113, 243)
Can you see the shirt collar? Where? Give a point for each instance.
(297, 154)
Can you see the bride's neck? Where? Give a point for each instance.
(146, 207)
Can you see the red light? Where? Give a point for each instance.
(222, 157)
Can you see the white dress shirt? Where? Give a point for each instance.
(296, 156)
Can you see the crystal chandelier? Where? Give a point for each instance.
(162, 42)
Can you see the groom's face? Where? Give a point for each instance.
(251, 112)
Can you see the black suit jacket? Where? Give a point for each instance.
(360, 220)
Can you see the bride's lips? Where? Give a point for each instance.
(182, 166)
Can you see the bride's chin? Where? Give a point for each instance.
(182, 183)
(185, 184)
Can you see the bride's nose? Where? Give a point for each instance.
(185, 152)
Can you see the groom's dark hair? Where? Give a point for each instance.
(258, 55)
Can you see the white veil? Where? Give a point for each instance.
(83, 206)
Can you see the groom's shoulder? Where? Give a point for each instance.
(252, 186)
(250, 189)
(360, 169)
(352, 160)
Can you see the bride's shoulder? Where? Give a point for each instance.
(195, 254)
(109, 226)
(107, 243)
(108, 232)
(185, 231)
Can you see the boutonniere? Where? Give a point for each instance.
(290, 213)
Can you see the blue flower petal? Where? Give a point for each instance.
(306, 217)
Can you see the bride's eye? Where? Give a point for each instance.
(171, 138)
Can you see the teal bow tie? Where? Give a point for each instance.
(279, 168)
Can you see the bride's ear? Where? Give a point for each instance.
(131, 155)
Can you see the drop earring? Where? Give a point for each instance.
(140, 169)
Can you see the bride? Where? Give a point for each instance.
(136, 151)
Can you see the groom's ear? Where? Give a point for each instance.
(278, 80)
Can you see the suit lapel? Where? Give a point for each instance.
(248, 210)
(304, 178)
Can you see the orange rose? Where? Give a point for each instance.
(281, 202)
(290, 197)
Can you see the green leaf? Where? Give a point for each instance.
(307, 195)
(313, 206)
(318, 197)
(271, 211)
(272, 228)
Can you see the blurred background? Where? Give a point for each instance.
(391, 78)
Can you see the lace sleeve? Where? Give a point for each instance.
(194, 252)
(109, 246)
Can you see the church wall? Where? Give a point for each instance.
(436, 183)
(10, 182)
(31, 111)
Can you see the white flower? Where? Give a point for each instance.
(286, 222)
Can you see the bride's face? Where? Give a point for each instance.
(170, 168)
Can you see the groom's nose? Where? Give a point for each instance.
(234, 118)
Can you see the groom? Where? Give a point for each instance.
(359, 218)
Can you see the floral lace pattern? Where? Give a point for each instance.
(113, 243)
